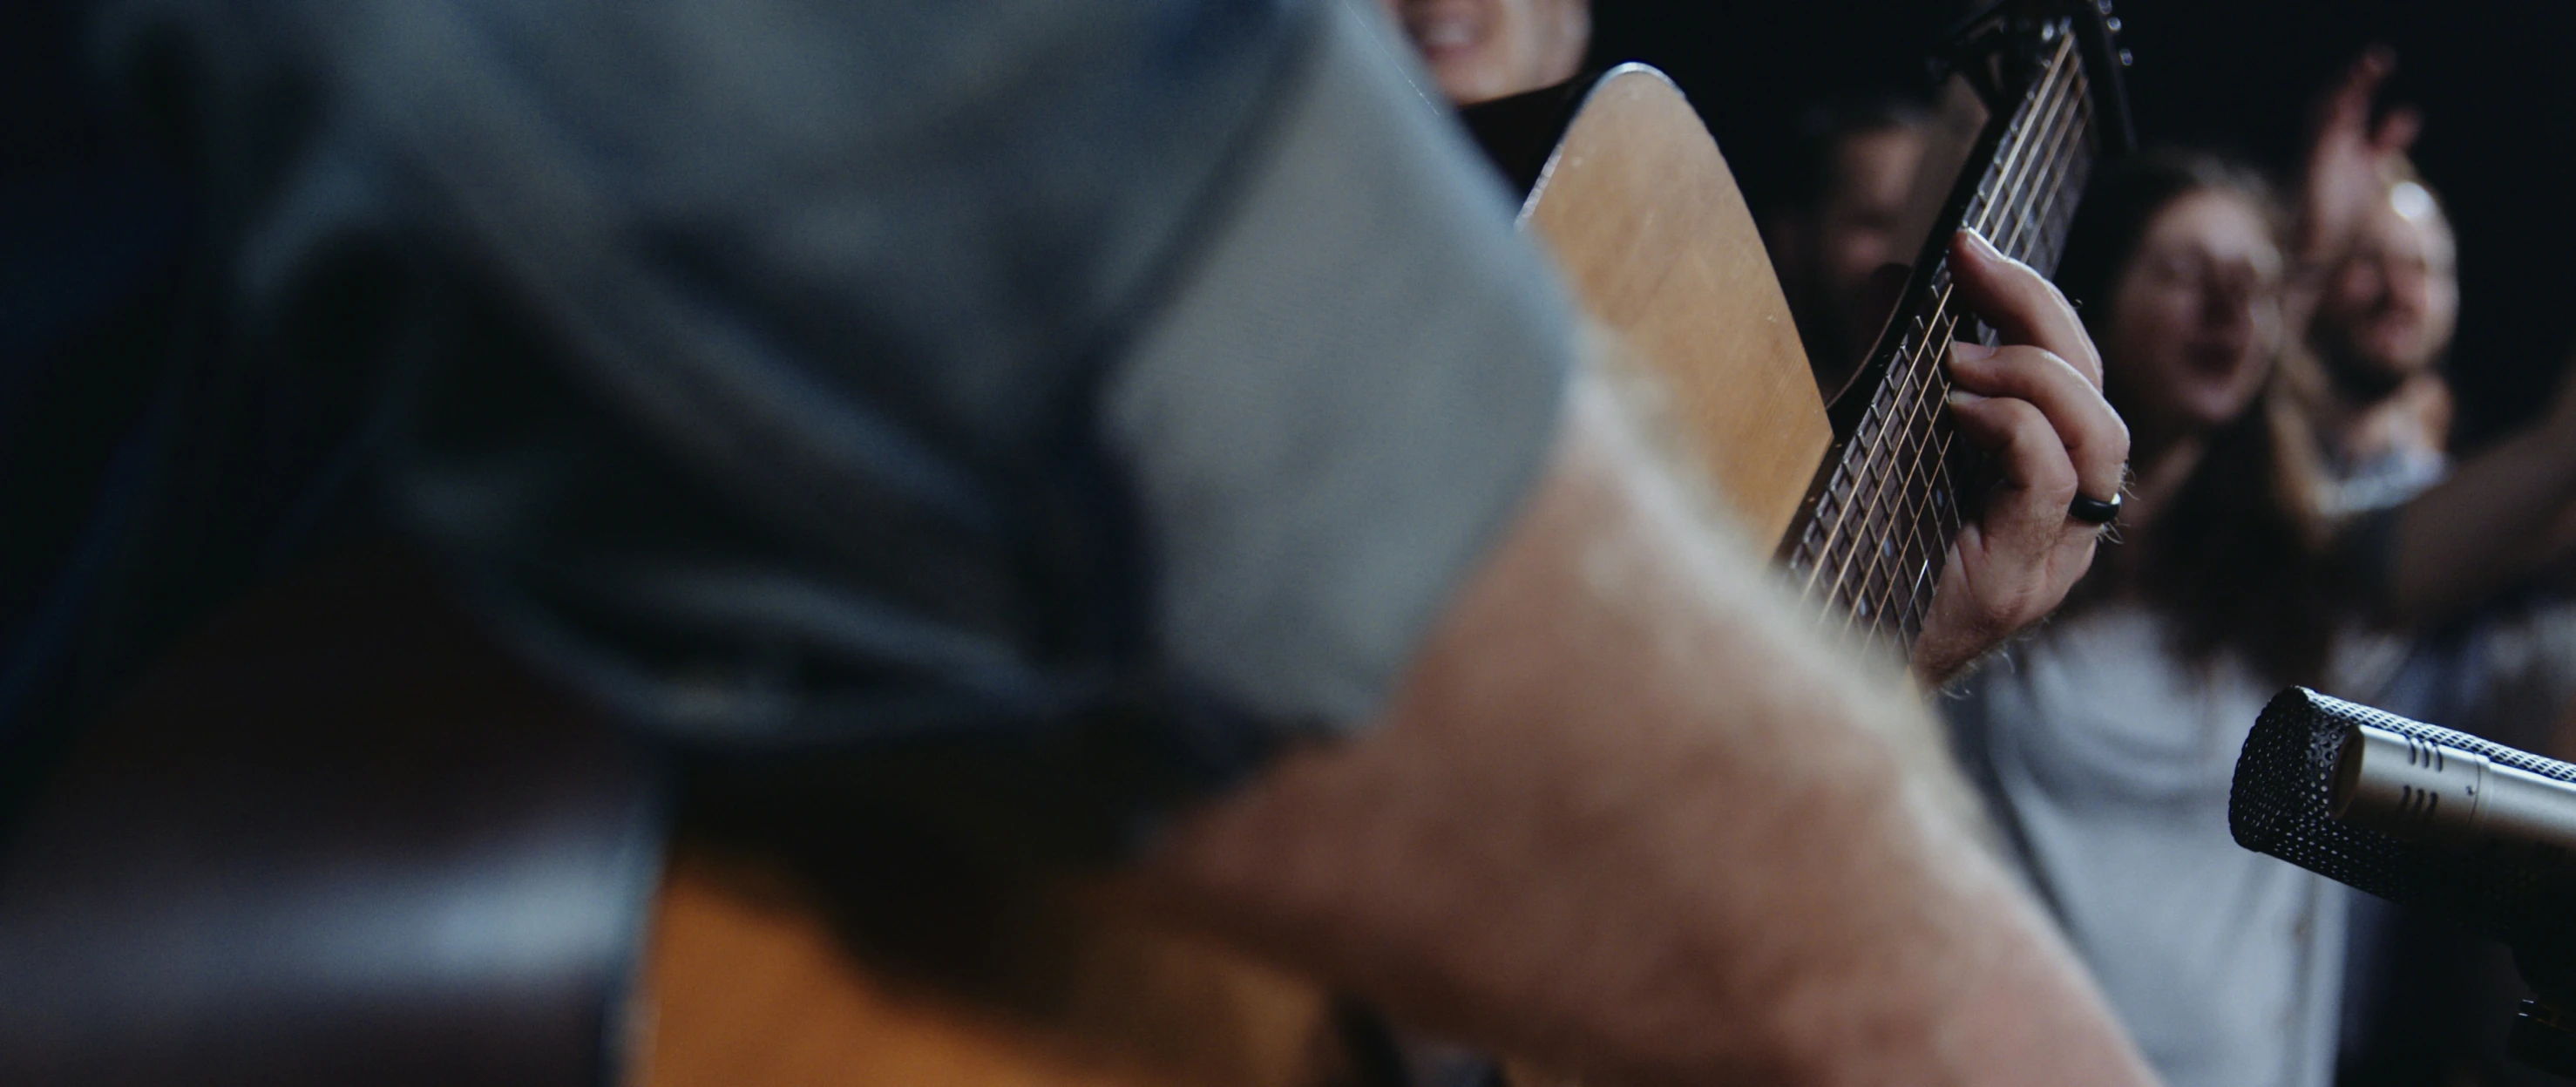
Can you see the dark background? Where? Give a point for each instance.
(2495, 80)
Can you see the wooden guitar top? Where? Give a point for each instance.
(751, 981)
(1652, 234)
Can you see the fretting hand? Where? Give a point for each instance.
(2036, 405)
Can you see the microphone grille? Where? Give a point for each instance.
(2278, 804)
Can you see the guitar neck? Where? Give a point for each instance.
(1868, 545)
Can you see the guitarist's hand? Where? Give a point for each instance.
(2035, 404)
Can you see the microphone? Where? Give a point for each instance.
(2420, 790)
(2432, 819)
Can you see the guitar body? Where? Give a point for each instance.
(1654, 238)
(758, 975)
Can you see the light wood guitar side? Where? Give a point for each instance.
(749, 983)
(1654, 238)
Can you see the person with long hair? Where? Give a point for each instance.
(2106, 743)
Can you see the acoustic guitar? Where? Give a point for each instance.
(1656, 241)
(339, 837)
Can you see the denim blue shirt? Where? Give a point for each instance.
(798, 375)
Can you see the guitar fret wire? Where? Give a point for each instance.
(1915, 551)
(1911, 405)
(1921, 382)
(1914, 410)
(1904, 406)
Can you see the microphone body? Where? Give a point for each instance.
(2416, 789)
(2431, 819)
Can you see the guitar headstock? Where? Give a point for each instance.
(2111, 25)
(1998, 48)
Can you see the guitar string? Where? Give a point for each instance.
(2010, 225)
(1861, 585)
(2059, 217)
(2061, 164)
(1895, 590)
(1897, 581)
(2047, 175)
(1903, 597)
(1906, 410)
(2013, 225)
(1870, 476)
(1880, 582)
(1916, 490)
(1867, 476)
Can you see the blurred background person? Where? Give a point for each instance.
(2375, 303)
(1836, 228)
(2377, 266)
(1479, 50)
(2384, 315)
(1846, 180)
(2107, 742)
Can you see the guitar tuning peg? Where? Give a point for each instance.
(2105, 5)
(2112, 24)
(2126, 59)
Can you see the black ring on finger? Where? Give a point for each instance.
(2094, 511)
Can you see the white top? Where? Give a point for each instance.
(2108, 760)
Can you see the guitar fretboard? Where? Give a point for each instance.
(1869, 548)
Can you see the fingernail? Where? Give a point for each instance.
(1962, 398)
(1971, 351)
(1979, 243)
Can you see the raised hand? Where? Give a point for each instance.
(2349, 159)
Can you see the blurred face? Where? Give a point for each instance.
(2195, 317)
(1856, 224)
(1485, 49)
(2389, 308)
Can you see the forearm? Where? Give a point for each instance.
(1626, 816)
(2500, 518)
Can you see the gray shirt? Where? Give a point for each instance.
(2108, 760)
(798, 375)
